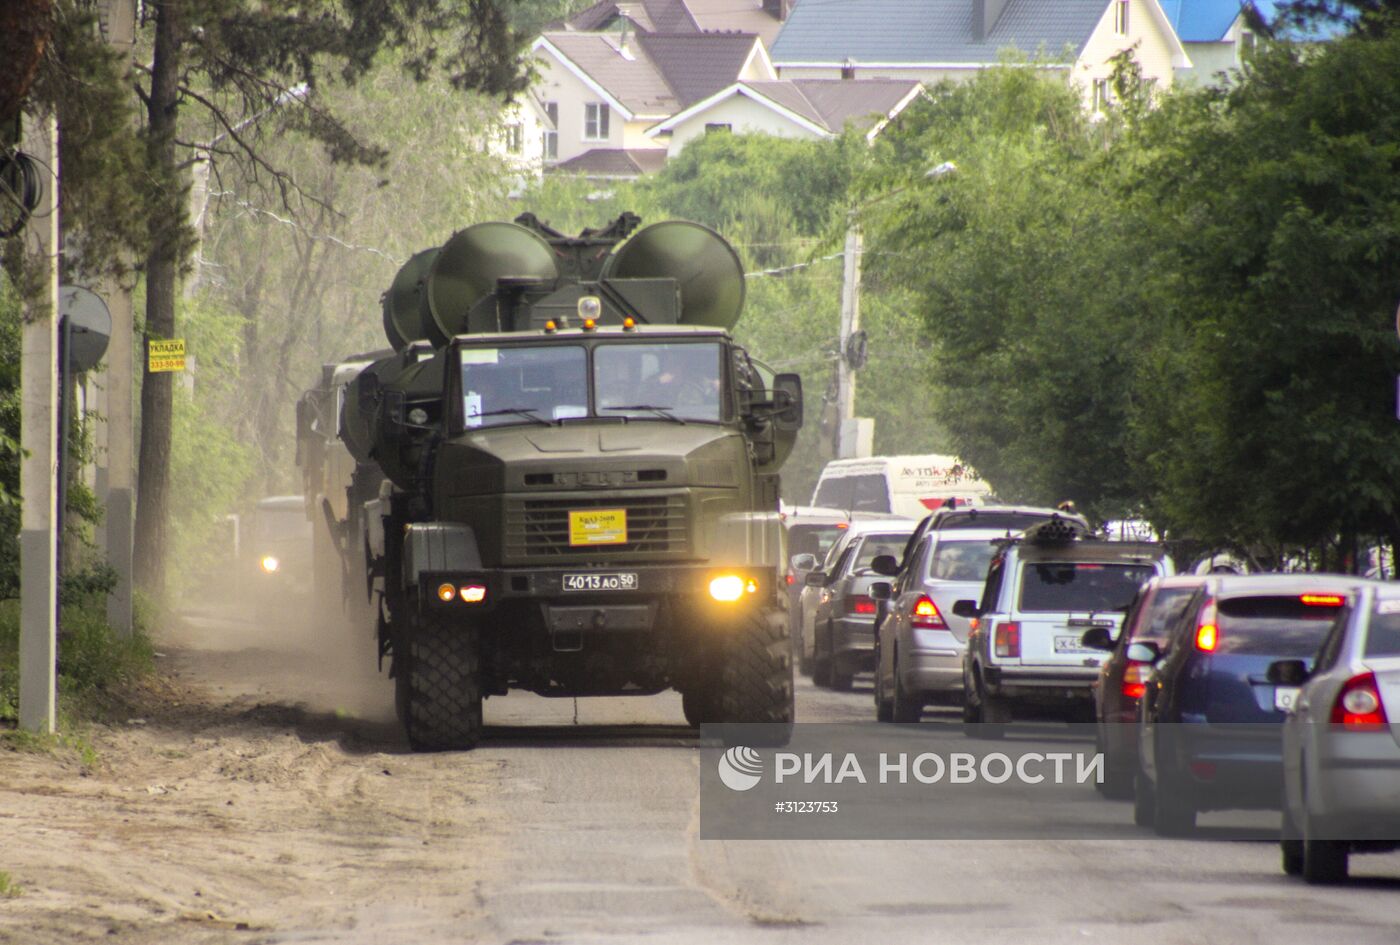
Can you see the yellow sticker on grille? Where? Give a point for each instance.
(598, 527)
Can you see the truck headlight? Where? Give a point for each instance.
(269, 564)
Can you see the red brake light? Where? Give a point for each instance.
(1007, 639)
(1359, 704)
(926, 615)
(1323, 600)
(1135, 680)
(858, 604)
(791, 578)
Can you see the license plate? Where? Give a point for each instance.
(613, 581)
(598, 527)
(1071, 645)
(1284, 697)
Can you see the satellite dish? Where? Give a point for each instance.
(704, 265)
(465, 270)
(403, 309)
(89, 323)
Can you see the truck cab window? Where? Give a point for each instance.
(523, 385)
(681, 380)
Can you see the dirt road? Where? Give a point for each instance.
(266, 796)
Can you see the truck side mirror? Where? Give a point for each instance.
(787, 403)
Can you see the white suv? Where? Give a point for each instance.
(1025, 655)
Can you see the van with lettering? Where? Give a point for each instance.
(910, 486)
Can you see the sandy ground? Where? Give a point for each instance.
(263, 786)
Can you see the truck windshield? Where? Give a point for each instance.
(521, 385)
(675, 380)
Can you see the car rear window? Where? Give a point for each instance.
(1282, 626)
(812, 539)
(1383, 639)
(1168, 604)
(1066, 585)
(866, 493)
(876, 545)
(961, 560)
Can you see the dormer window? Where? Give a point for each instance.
(595, 121)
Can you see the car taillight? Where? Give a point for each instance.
(926, 615)
(791, 578)
(1135, 680)
(1359, 704)
(1207, 631)
(1008, 639)
(859, 604)
(1323, 600)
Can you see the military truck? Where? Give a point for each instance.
(581, 478)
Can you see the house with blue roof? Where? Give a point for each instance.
(1215, 34)
(934, 40)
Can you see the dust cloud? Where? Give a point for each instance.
(276, 645)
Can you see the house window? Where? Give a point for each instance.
(1100, 94)
(514, 137)
(551, 134)
(713, 126)
(1246, 44)
(595, 122)
(1120, 17)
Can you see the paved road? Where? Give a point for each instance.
(289, 800)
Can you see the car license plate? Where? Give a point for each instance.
(598, 527)
(1284, 697)
(1071, 645)
(611, 581)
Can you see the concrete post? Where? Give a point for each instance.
(850, 324)
(38, 475)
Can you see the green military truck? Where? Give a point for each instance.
(581, 478)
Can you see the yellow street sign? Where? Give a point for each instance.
(167, 355)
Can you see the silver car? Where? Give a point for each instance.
(1341, 742)
(919, 644)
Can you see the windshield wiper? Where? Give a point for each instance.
(525, 412)
(663, 412)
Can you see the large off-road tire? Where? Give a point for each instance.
(439, 685)
(754, 678)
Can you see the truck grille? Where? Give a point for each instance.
(536, 527)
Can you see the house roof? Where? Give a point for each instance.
(662, 16)
(746, 16)
(654, 74)
(822, 106)
(929, 31)
(1201, 21)
(614, 162)
(680, 16)
(624, 72)
(696, 65)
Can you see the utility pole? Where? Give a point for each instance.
(118, 484)
(38, 470)
(845, 432)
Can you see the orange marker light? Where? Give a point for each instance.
(550, 328)
(589, 324)
(629, 323)
(446, 592)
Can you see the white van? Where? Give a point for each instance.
(911, 486)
